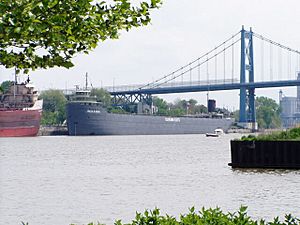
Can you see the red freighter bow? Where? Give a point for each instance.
(20, 111)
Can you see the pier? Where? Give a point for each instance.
(265, 154)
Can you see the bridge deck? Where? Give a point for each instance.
(208, 87)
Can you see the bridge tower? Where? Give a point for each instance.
(247, 96)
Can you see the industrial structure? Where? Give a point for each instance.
(290, 109)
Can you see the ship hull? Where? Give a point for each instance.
(92, 119)
(19, 123)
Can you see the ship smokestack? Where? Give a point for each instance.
(280, 96)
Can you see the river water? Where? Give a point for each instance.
(64, 180)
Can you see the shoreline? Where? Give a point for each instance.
(52, 131)
(58, 130)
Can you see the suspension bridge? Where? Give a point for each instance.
(230, 65)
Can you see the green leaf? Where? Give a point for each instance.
(31, 28)
(17, 29)
(52, 3)
(61, 29)
(243, 209)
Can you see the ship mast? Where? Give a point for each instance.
(86, 81)
(15, 86)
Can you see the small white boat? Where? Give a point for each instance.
(217, 133)
(211, 135)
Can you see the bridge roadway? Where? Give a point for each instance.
(208, 87)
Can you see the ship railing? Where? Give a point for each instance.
(18, 105)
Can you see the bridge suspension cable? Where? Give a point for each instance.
(262, 46)
(156, 84)
(190, 66)
(274, 70)
(275, 43)
(232, 61)
(281, 60)
(271, 61)
(298, 63)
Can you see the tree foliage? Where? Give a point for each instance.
(267, 113)
(179, 107)
(5, 85)
(47, 33)
(162, 105)
(102, 96)
(54, 103)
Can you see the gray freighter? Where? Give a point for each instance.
(86, 116)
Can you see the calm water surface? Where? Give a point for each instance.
(63, 180)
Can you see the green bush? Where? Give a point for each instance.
(291, 134)
(204, 217)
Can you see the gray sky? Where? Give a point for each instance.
(180, 32)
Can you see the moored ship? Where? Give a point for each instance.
(20, 111)
(86, 116)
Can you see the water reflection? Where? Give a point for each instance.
(266, 171)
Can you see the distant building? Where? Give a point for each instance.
(290, 109)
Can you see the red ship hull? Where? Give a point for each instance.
(19, 123)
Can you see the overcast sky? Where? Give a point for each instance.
(180, 32)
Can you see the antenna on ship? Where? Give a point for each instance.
(28, 79)
(91, 82)
(86, 81)
(15, 85)
(207, 98)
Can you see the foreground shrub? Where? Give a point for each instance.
(204, 217)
